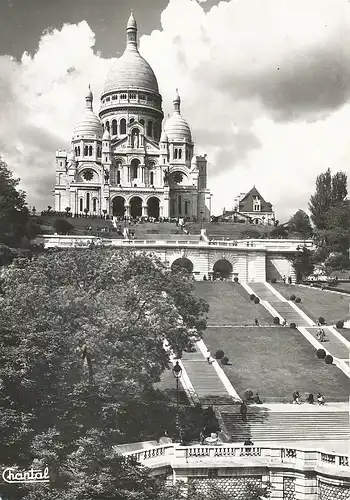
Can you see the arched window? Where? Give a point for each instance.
(99, 151)
(180, 154)
(107, 126)
(114, 127)
(86, 151)
(179, 203)
(175, 153)
(90, 150)
(151, 178)
(149, 129)
(134, 169)
(78, 150)
(122, 126)
(118, 177)
(94, 204)
(88, 201)
(186, 207)
(81, 205)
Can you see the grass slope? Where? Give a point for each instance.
(316, 303)
(230, 304)
(275, 362)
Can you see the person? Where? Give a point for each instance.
(209, 358)
(243, 411)
(320, 399)
(310, 399)
(318, 323)
(290, 280)
(284, 279)
(248, 442)
(284, 322)
(257, 399)
(296, 398)
(257, 322)
(201, 437)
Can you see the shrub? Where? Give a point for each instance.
(276, 320)
(273, 280)
(293, 325)
(256, 300)
(219, 354)
(62, 226)
(328, 359)
(292, 297)
(248, 394)
(321, 353)
(252, 296)
(321, 320)
(235, 279)
(298, 300)
(340, 323)
(224, 360)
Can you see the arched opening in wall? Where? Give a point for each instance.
(175, 154)
(153, 207)
(114, 127)
(81, 205)
(180, 154)
(90, 150)
(183, 263)
(136, 206)
(78, 150)
(107, 126)
(187, 207)
(151, 178)
(222, 268)
(135, 138)
(122, 126)
(179, 204)
(118, 206)
(118, 177)
(86, 151)
(149, 129)
(94, 204)
(134, 168)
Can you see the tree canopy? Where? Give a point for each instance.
(300, 223)
(82, 345)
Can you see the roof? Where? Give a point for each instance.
(176, 127)
(246, 203)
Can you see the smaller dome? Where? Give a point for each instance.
(163, 137)
(176, 127)
(89, 125)
(106, 135)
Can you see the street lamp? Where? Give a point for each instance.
(177, 371)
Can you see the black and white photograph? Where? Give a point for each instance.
(174, 250)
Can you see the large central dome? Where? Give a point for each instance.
(131, 70)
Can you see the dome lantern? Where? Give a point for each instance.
(131, 32)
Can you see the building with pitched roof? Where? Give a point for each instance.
(251, 207)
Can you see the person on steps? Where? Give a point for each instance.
(243, 411)
(310, 399)
(296, 398)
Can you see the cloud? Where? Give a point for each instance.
(264, 86)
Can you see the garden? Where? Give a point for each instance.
(315, 302)
(230, 304)
(275, 362)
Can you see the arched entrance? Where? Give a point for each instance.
(223, 268)
(118, 206)
(183, 263)
(153, 207)
(136, 206)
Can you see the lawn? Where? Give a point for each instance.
(316, 303)
(275, 362)
(230, 304)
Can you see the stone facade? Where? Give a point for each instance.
(121, 163)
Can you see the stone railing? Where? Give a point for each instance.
(233, 455)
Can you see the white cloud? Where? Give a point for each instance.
(264, 86)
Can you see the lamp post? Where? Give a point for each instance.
(201, 212)
(177, 371)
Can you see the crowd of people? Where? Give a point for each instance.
(309, 399)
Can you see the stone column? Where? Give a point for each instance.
(166, 202)
(127, 211)
(144, 210)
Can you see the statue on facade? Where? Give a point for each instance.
(106, 176)
(166, 177)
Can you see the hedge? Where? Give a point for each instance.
(224, 360)
(298, 300)
(256, 300)
(328, 359)
(292, 297)
(252, 296)
(276, 320)
(293, 325)
(235, 279)
(321, 320)
(321, 353)
(340, 323)
(219, 354)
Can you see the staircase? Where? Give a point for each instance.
(204, 379)
(282, 307)
(264, 425)
(332, 344)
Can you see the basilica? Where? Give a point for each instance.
(123, 162)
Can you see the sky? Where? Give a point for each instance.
(265, 86)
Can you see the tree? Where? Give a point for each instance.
(303, 263)
(279, 232)
(329, 191)
(13, 211)
(62, 226)
(82, 345)
(212, 492)
(300, 223)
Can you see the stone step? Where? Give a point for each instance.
(335, 346)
